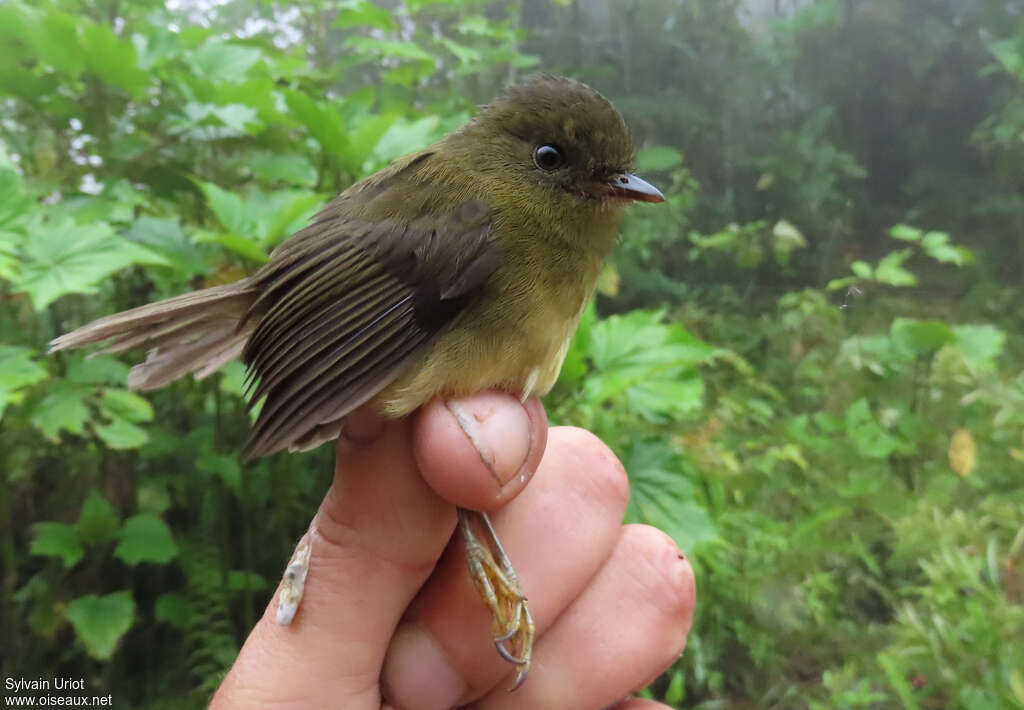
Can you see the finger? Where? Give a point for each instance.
(490, 424)
(375, 540)
(639, 704)
(558, 533)
(628, 627)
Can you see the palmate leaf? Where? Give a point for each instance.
(290, 168)
(95, 369)
(110, 58)
(100, 622)
(663, 497)
(63, 409)
(398, 49)
(126, 405)
(258, 220)
(640, 338)
(321, 120)
(649, 364)
(228, 207)
(404, 136)
(63, 257)
(220, 61)
(17, 371)
(356, 13)
(48, 37)
(14, 201)
(121, 434)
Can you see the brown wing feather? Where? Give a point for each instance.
(345, 309)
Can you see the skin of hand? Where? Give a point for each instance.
(390, 619)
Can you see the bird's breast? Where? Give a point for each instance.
(514, 339)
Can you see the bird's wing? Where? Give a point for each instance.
(344, 306)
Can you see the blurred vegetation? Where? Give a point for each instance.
(809, 359)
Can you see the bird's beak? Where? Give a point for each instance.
(627, 186)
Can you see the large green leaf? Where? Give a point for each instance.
(228, 207)
(174, 609)
(14, 202)
(57, 540)
(17, 372)
(322, 122)
(890, 269)
(10, 264)
(125, 404)
(355, 13)
(146, 538)
(63, 409)
(281, 213)
(63, 257)
(645, 364)
(112, 59)
(290, 168)
(100, 622)
(165, 236)
(397, 49)
(50, 38)
(220, 61)
(922, 336)
(662, 496)
(404, 137)
(640, 338)
(120, 433)
(97, 522)
(937, 245)
(981, 345)
(96, 369)
(870, 439)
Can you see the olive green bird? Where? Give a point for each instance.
(460, 268)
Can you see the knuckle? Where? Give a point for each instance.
(666, 579)
(605, 477)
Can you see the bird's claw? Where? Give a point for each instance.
(498, 585)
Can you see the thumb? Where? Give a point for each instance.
(375, 540)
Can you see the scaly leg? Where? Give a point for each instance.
(498, 585)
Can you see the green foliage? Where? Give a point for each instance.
(808, 359)
(100, 622)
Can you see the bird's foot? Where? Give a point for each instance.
(293, 582)
(498, 584)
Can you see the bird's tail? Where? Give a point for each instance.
(196, 332)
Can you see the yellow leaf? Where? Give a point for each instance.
(963, 454)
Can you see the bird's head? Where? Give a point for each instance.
(554, 141)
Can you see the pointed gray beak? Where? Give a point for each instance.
(627, 186)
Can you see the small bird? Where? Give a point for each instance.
(463, 267)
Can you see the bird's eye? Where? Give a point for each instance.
(548, 157)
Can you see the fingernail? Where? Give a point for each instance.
(417, 672)
(498, 427)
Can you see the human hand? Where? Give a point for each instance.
(390, 614)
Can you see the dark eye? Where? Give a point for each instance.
(548, 157)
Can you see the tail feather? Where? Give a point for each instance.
(196, 332)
